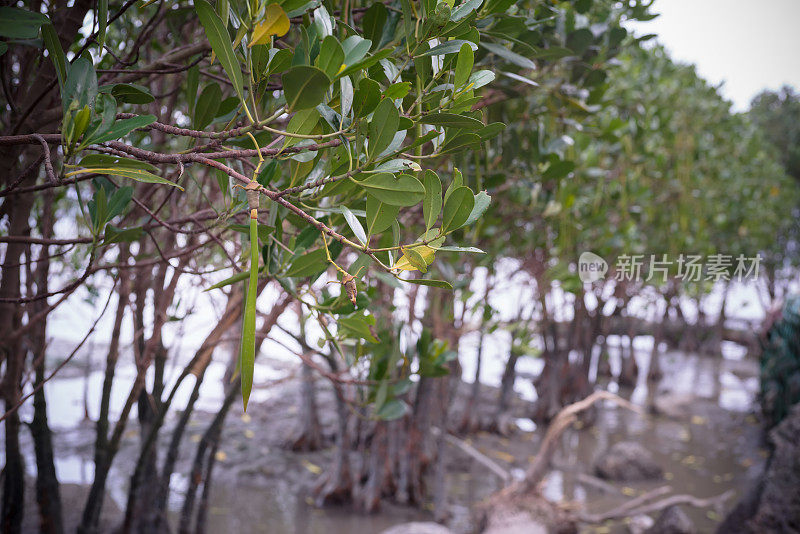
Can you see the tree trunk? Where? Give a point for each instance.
(47, 489)
(309, 435)
(14, 356)
(471, 420)
(500, 423)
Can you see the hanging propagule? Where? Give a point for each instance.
(348, 280)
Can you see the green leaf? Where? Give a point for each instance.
(366, 97)
(380, 396)
(558, 169)
(365, 63)
(268, 173)
(192, 82)
(53, 45)
(432, 203)
(310, 264)
(482, 201)
(119, 201)
(206, 106)
(508, 55)
(139, 175)
(393, 409)
(373, 21)
(464, 63)
(304, 87)
(238, 277)
(457, 209)
(280, 62)
(397, 90)
(98, 209)
(480, 78)
(122, 128)
(331, 56)
(404, 190)
(432, 283)
(357, 326)
(220, 40)
(451, 120)
(396, 165)
(466, 7)
(458, 181)
(16, 23)
(102, 22)
(355, 48)
(382, 127)
(449, 47)
(461, 142)
(113, 234)
(354, 225)
(380, 216)
(107, 160)
(491, 130)
(579, 40)
(81, 84)
(130, 93)
(105, 108)
(461, 249)
(297, 8)
(303, 123)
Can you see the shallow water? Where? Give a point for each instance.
(715, 449)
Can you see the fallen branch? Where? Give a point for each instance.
(471, 451)
(595, 482)
(632, 508)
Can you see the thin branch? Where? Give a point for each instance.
(48, 165)
(66, 360)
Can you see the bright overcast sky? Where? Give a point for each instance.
(748, 44)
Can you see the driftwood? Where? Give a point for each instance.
(519, 505)
(560, 424)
